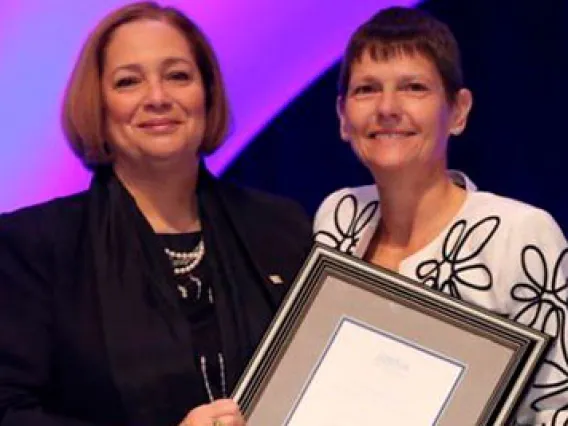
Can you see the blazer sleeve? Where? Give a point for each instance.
(26, 343)
(539, 299)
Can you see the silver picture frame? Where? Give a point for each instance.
(491, 359)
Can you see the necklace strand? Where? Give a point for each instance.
(203, 362)
(189, 260)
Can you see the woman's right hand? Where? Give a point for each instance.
(223, 412)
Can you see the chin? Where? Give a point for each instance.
(166, 146)
(389, 162)
(391, 158)
(168, 155)
(389, 166)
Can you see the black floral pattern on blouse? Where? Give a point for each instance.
(349, 223)
(545, 309)
(456, 267)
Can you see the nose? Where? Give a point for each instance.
(157, 98)
(388, 107)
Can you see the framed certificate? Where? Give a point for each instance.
(353, 343)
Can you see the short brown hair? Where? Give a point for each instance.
(83, 112)
(398, 30)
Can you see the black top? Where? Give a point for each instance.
(197, 300)
(98, 343)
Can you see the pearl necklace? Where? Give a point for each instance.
(188, 260)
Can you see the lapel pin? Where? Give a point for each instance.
(276, 279)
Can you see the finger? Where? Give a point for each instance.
(222, 407)
(230, 420)
(202, 415)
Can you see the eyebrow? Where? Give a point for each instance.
(167, 62)
(404, 77)
(172, 60)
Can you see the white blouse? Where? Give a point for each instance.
(497, 253)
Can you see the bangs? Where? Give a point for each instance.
(385, 49)
(381, 50)
(399, 31)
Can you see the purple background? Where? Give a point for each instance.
(270, 51)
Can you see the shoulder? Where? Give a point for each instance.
(521, 220)
(261, 206)
(525, 241)
(275, 229)
(33, 240)
(354, 201)
(30, 226)
(57, 210)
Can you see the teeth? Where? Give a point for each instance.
(390, 135)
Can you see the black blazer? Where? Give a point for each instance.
(53, 366)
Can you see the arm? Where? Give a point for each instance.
(539, 299)
(25, 326)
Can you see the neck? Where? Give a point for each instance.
(166, 196)
(415, 207)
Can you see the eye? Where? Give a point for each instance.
(179, 76)
(415, 87)
(364, 89)
(125, 82)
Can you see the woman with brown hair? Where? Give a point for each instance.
(140, 300)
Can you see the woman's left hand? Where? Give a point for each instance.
(223, 412)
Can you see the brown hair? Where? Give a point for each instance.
(398, 30)
(83, 111)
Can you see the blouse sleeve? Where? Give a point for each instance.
(539, 299)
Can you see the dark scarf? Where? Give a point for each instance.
(147, 337)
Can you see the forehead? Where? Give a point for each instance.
(396, 64)
(146, 41)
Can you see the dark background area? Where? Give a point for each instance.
(515, 62)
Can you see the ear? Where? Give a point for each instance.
(343, 127)
(461, 108)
